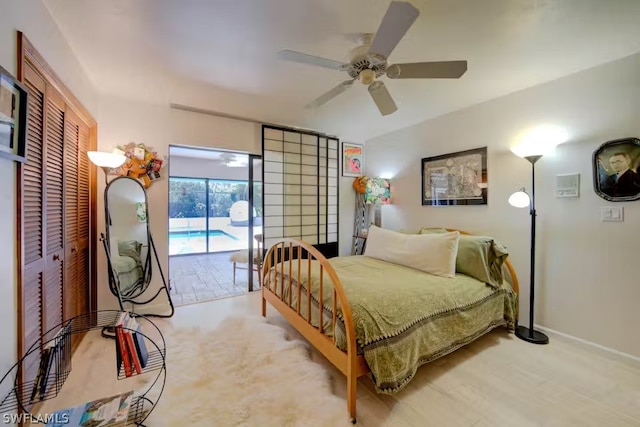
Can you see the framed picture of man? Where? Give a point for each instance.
(616, 170)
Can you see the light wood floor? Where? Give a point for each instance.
(498, 380)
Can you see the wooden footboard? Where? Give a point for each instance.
(279, 263)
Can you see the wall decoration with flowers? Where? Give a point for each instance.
(143, 163)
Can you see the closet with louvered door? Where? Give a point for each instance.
(76, 201)
(55, 194)
(33, 215)
(54, 209)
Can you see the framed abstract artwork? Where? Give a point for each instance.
(13, 118)
(352, 159)
(455, 179)
(616, 170)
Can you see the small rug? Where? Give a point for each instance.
(244, 373)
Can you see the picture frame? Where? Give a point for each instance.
(352, 159)
(13, 118)
(458, 178)
(616, 170)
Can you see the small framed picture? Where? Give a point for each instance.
(352, 159)
(616, 170)
(13, 118)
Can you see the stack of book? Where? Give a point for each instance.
(131, 350)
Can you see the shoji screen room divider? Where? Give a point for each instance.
(300, 188)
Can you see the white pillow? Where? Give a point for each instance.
(431, 253)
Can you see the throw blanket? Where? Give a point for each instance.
(403, 317)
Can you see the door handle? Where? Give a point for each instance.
(56, 257)
(74, 249)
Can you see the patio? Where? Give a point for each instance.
(198, 278)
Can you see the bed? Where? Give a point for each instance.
(371, 316)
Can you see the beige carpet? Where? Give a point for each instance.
(244, 373)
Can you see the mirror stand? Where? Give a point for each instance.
(129, 246)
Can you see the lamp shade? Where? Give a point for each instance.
(539, 141)
(519, 199)
(378, 192)
(106, 160)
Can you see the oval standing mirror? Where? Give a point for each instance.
(128, 238)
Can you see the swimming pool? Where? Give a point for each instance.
(198, 242)
(199, 234)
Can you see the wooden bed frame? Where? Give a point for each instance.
(348, 362)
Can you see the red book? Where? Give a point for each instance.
(131, 345)
(121, 345)
(124, 352)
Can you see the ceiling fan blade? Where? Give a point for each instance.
(395, 24)
(328, 96)
(303, 58)
(428, 70)
(382, 98)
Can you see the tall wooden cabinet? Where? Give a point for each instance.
(55, 210)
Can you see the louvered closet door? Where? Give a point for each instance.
(33, 216)
(76, 196)
(54, 209)
(83, 302)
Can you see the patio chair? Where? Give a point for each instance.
(242, 257)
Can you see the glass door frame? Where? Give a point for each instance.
(251, 184)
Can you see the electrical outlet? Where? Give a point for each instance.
(612, 213)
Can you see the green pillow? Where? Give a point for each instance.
(478, 256)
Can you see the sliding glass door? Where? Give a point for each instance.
(210, 215)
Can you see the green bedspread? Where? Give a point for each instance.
(404, 317)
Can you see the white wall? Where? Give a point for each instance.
(156, 125)
(32, 18)
(587, 279)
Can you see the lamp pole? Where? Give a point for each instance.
(529, 334)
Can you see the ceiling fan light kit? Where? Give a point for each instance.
(369, 61)
(367, 76)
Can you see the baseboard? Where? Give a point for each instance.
(620, 354)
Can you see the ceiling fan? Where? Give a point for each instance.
(232, 161)
(369, 61)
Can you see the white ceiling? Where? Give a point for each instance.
(221, 54)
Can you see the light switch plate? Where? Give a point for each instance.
(612, 213)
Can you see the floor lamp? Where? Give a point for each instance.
(533, 147)
(106, 161)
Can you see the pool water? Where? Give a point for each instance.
(199, 233)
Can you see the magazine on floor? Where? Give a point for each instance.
(106, 412)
